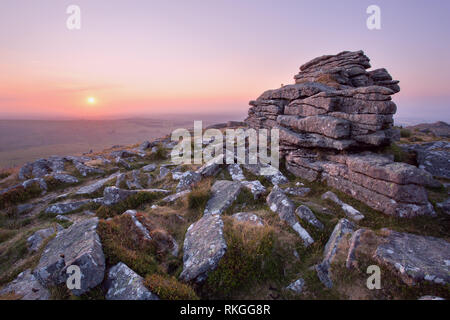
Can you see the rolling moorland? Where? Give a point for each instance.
(352, 191)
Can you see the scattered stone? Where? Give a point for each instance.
(204, 246)
(140, 226)
(176, 196)
(283, 206)
(27, 287)
(163, 172)
(255, 187)
(351, 212)
(307, 215)
(77, 245)
(134, 183)
(64, 178)
(433, 157)
(113, 195)
(342, 229)
(122, 283)
(296, 286)
(85, 170)
(187, 180)
(62, 218)
(96, 186)
(35, 241)
(66, 207)
(297, 191)
(249, 217)
(149, 168)
(24, 208)
(223, 194)
(430, 298)
(236, 172)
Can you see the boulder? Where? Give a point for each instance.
(255, 187)
(67, 207)
(78, 245)
(122, 283)
(149, 168)
(64, 178)
(187, 180)
(204, 246)
(114, 195)
(223, 194)
(26, 287)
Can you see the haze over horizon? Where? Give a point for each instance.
(151, 59)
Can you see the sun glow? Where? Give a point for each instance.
(91, 100)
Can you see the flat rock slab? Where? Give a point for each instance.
(204, 246)
(296, 286)
(416, 258)
(351, 212)
(27, 287)
(223, 194)
(78, 245)
(123, 283)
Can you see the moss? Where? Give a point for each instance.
(122, 243)
(169, 288)
(132, 202)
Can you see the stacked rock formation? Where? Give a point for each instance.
(330, 120)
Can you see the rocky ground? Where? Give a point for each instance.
(140, 227)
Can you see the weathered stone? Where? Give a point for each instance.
(296, 286)
(297, 191)
(351, 212)
(64, 178)
(248, 217)
(187, 180)
(325, 125)
(255, 187)
(433, 157)
(279, 203)
(416, 258)
(236, 172)
(176, 196)
(36, 240)
(223, 194)
(343, 229)
(113, 195)
(96, 186)
(78, 245)
(134, 182)
(149, 168)
(122, 283)
(26, 287)
(204, 246)
(66, 207)
(307, 215)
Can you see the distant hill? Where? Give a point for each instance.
(440, 128)
(27, 140)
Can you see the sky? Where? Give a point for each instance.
(141, 58)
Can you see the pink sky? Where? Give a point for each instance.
(143, 58)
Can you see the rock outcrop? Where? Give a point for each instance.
(328, 121)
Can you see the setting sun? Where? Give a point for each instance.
(91, 100)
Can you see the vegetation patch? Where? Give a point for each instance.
(123, 243)
(169, 288)
(254, 255)
(19, 195)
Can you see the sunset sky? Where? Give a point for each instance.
(147, 58)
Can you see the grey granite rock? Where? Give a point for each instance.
(223, 194)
